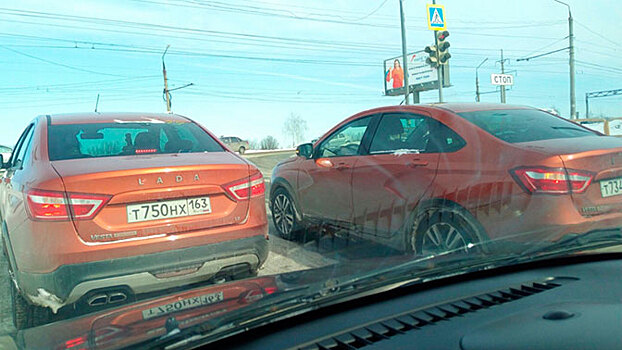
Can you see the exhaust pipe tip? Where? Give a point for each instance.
(116, 297)
(100, 299)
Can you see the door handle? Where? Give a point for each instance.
(417, 163)
(342, 166)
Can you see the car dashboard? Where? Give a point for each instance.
(575, 303)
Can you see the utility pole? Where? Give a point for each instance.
(97, 103)
(477, 80)
(167, 94)
(404, 56)
(573, 102)
(502, 72)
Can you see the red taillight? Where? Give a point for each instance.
(143, 151)
(247, 188)
(552, 180)
(270, 290)
(52, 205)
(75, 344)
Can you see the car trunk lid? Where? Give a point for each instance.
(169, 185)
(599, 155)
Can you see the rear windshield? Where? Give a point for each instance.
(73, 141)
(524, 125)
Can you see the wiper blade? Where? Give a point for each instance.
(574, 242)
(568, 128)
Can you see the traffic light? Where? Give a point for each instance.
(432, 60)
(443, 47)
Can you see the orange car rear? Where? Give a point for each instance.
(98, 208)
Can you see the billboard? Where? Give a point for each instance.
(421, 76)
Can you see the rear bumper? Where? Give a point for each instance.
(68, 283)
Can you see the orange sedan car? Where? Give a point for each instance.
(99, 208)
(452, 177)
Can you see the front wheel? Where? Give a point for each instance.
(439, 230)
(284, 214)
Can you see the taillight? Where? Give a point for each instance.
(52, 205)
(247, 188)
(552, 180)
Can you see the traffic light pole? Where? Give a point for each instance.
(439, 71)
(439, 68)
(404, 56)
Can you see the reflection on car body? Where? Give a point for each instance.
(126, 205)
(452, 177)
(150, 319)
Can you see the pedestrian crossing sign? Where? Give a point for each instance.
(436, 17)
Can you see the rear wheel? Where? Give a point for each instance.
(441, 229)
(242, 150)
(26, 315)
(284, 214)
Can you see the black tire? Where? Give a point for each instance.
(242, 150)
(284, 214)
(443, 229)
(26, 315)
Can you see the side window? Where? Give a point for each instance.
(443, 139)
(23, 148)
(401, 132)
(345, 141)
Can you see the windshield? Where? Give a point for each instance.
(189, 170)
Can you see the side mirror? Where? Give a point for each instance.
(2, 165)
(305, 150)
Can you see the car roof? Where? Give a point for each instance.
(453, 107)
(96, 117)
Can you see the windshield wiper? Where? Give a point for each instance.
(573, 243)
(569, 128)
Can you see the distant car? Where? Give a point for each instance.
(235, 143)
(433, 178)
(118, 205)
(6, 152)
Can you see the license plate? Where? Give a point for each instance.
(168, 209)
(183, 304)
(611, 187)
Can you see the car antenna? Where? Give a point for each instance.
(96, 103)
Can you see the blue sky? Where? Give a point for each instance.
(253, 63)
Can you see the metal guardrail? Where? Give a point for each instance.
(251, 153)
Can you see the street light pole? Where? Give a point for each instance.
(573, 103)
(404, 56)
(477, 80)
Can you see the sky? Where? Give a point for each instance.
(253, 63)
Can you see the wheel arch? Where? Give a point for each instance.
(447, 203)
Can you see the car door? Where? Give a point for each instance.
(391, 180)
(10, 193)
(324, 181)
